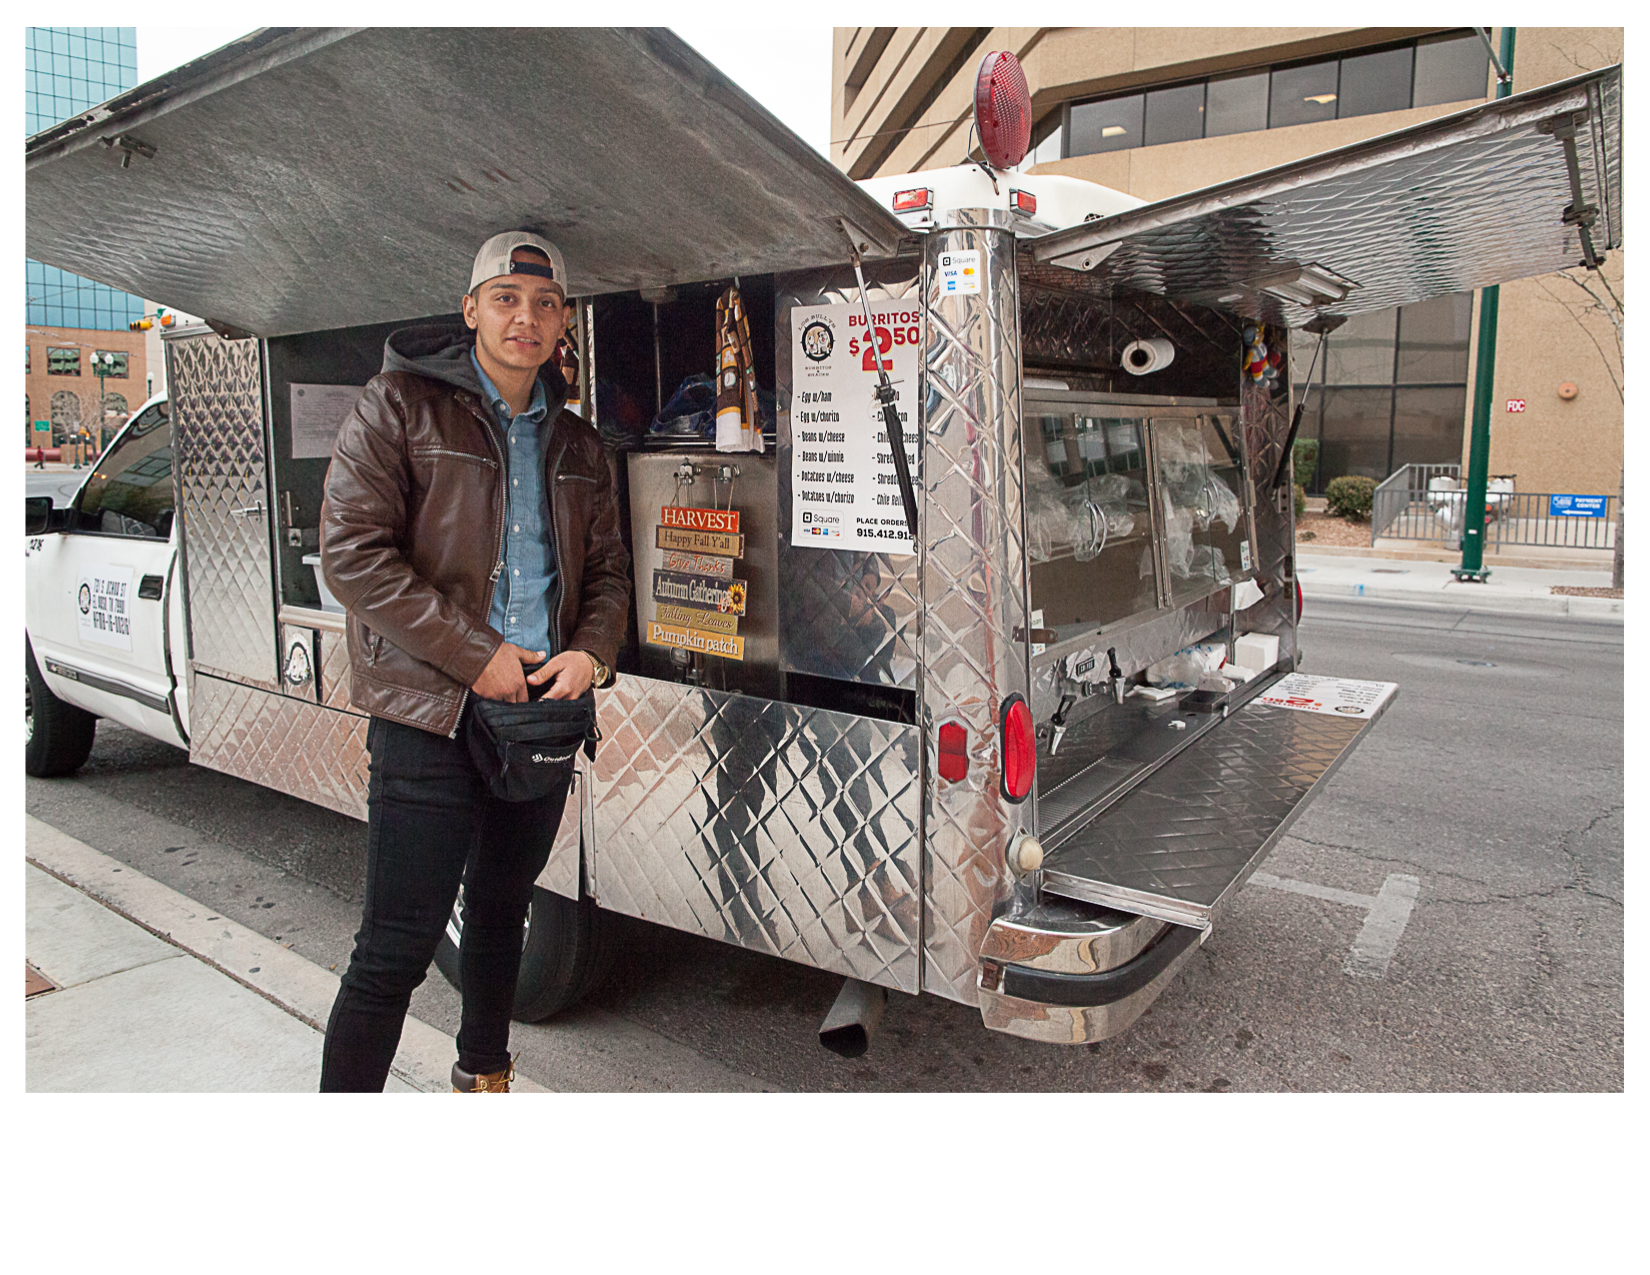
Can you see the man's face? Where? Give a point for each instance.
(517, 318)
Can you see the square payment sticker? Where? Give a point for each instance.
(960, 271)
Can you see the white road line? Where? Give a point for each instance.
(1311, 891)
(1373, 949)
(1376, 943)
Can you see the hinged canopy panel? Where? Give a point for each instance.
(300, 180)
(1457, 203)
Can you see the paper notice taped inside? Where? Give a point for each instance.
(1341, 696)
(318, 413)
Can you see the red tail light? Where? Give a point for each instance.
(953, 752)
(1019, 748)
(913, 200)
(1022, 201)
(1300, 602)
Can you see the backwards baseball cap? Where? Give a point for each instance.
(494, 259)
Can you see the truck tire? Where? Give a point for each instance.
(566, 952)
(57, 737)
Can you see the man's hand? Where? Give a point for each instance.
(573, 672)
(503, 678)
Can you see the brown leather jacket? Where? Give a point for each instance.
(412, 529)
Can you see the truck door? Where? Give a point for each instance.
(99, 611)
(218, 392)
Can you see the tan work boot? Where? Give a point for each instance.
(486, 1082)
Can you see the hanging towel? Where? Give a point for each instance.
(738, 417)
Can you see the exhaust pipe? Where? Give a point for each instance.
(848, 1028)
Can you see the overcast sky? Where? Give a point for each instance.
(786, 68)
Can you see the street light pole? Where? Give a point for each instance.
(1478, 457)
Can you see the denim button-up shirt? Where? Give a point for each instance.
(521, 598)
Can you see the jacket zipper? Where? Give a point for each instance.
(502, 468)
(471, 456)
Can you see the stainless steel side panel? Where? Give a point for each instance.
(845, 615)
(973, 594)
(1183, 843)
(216, 388)
(775, 827)
(279, 741)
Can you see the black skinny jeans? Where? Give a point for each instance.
(430, 822)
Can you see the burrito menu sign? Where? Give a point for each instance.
(698, 598)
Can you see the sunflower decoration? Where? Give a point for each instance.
(733, 602)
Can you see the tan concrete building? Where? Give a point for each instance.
(61, 385)
(1157, 112)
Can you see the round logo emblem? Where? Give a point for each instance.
(1348, 708)
(818, 341)
(85, 599)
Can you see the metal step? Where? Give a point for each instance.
(1181, 844)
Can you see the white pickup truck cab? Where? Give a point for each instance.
(103, 609)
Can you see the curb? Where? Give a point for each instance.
(298, 986)
(1530, 604)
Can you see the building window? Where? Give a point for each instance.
(28, 358)
(62, 361)
(1428, 72)
(118, 367)
(1390, 389)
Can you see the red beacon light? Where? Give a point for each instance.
(1022, 201)
(913, 200)
(1002, 110)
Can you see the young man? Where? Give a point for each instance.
(470, 529)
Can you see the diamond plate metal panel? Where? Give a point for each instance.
(288, 744)
(334, 686)
(1183, 842)
(774, 827)
(844, 615)
(1446, 206)
(216, 388)
(974, 596)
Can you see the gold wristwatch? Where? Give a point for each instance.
(604, 675)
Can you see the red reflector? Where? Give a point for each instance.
(953, 752)
(1019, 748)
(911, 200)
(1300, 602)
(1023, 201)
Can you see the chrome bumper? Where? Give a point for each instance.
(1066, 973)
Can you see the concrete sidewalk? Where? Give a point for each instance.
(1509, 590)
(152, 992)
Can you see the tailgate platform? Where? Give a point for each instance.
(1182, 843)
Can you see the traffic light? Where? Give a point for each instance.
(140, 325)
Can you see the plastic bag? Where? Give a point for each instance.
(691, 411)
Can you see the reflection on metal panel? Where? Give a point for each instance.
(845, 615)
(216, 388)
(561, 870)
(775, 827)
(974, 596)
(1182, 843)
(281, 742)
(1446, 206)
(335, 671)
(1266, 419)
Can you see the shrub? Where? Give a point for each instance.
(1300, 502)
(1351, 497)
(1305, 454)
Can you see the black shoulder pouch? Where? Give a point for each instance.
(524, 751)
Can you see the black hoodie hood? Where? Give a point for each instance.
(441, 351)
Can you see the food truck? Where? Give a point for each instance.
(974, 672)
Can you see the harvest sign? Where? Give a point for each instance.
(698, 601)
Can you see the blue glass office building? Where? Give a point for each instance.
(67, 70)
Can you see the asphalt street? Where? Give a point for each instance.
(59, 484)
(1495, 781)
